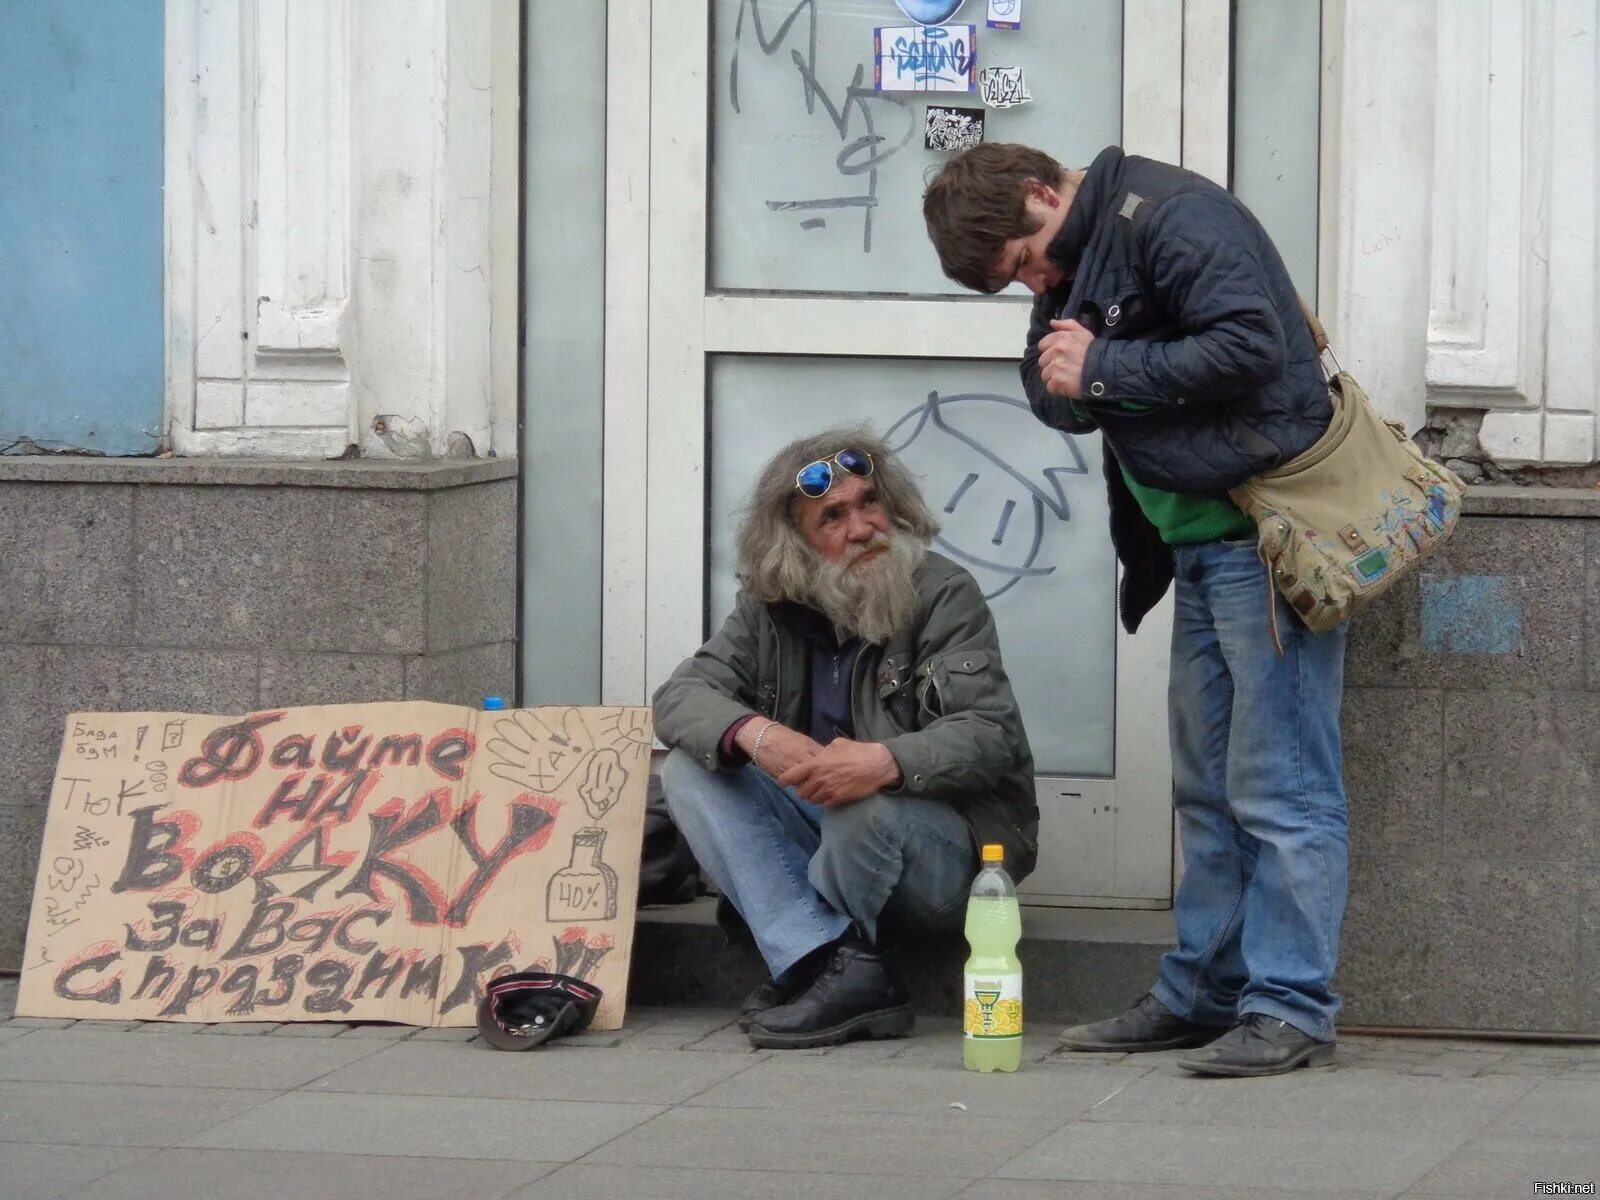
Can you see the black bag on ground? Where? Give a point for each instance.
(668, 872)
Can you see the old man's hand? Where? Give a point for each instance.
(843, 771)
(780, 749)
(1061, 355)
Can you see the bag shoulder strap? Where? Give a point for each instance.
(1319, 335)
(1137, 211)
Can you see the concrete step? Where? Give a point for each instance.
(1079, 964)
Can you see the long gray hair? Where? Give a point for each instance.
(774, 560)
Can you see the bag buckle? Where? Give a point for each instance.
(1353, 538)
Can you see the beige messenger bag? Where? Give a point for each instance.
(1360, 510)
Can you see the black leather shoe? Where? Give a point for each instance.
(855, 994)
(1148, 1025)
(1259, 1045)
(765, 995)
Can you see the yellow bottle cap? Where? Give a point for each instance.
(994, 852)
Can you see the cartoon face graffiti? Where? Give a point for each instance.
(995, 510)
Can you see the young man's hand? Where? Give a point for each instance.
(843, 771)
(781, 747)
(1061, 355)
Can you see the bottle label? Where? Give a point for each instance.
(993, 1007)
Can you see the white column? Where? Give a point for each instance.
(1377, 187)
(1490, 248)
(1572, 355)
(331, 192)
(1207, 40)
(625, 613)
(1461, 214)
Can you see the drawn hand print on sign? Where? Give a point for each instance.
(948, 441)
(550, 749)
(539, 752)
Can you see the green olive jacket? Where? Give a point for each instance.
(937, 696)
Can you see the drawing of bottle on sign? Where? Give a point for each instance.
(586, 888)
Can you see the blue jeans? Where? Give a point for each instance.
(800, 874)
(1259, 793)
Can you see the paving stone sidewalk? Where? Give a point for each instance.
(677, 1105)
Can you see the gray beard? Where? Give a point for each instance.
(876, 600)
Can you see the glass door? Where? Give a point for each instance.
(768, 274)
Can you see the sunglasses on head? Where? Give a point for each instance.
(814, 479)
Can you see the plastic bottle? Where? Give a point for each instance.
(991, 1025)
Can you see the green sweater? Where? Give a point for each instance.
(1184, 519)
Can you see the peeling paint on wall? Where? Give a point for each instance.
(1471, 614)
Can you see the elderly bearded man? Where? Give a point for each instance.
(846, 741)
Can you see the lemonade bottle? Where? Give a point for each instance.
(991, 1024)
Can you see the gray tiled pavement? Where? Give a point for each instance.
(677, 1107)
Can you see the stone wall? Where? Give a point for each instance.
(1472, 755)
(1472, 712)
(216, 587)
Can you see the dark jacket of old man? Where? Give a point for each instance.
(937, 696)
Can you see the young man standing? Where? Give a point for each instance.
(1164, 318)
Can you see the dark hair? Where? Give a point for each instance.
(976, 204)
(774, 560)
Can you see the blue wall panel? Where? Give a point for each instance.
(81, 224)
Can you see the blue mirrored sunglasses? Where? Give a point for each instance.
(814, 479)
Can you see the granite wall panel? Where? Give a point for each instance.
(1394, 754)
(66, 573)
(220, 587)
(290, 569)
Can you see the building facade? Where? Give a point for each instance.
(447, 335)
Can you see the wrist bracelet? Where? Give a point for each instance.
(755, 746)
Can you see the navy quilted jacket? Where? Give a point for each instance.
(1202, 372)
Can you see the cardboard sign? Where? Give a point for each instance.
(346, 863)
